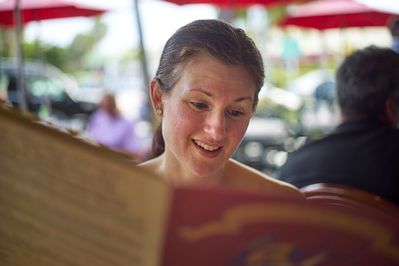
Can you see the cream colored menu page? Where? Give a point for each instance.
(66, 202)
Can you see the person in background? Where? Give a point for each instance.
(205, 92)
(363, 151)
(110, 128)
(394, 29)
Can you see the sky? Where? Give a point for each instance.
(384, 5)
(159, 20)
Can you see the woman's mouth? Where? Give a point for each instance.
(206, 147)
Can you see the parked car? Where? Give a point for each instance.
(48, 92)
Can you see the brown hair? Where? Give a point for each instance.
(366, 79)
(213, 37)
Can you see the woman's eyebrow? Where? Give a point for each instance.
(203, 91)
(240, 99)
(244, 98)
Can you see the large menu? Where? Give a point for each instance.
(64, 201)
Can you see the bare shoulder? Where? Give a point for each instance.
(242, 175)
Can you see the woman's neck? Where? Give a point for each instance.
(172, 171)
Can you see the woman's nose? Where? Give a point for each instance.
(215, 126)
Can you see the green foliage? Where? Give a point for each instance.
(57, 56)
(53, 55)
(276, 13)
(277, 74)
(268, 108)
(6, 40)
(82, 44)
(69, 59)
(133, 55)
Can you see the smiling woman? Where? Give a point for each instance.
(205, 92)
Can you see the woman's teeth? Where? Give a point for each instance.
(205, 146)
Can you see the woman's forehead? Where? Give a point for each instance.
(207, 72)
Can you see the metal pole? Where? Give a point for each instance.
(20, 64)
(143, 58)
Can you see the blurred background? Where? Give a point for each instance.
(65, 55)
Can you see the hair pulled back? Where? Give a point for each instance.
(205, 37)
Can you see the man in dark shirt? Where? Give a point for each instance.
(363, 151)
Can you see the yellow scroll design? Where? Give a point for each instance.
(235, 218)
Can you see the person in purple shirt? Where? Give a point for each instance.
(110, 128)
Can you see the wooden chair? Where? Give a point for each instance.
(348, 197)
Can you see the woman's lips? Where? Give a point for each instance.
(206, 146)
(207, 150)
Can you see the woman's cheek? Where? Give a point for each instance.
(241, 128)
(181, 118)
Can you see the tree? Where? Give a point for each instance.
(82, 45)
(69, 59)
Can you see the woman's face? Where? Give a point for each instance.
(205, 116)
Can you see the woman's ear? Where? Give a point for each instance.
(156, 95)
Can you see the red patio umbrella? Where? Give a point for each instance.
(228, 3)
(35, 10)
(327, 14)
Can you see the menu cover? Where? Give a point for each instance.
(64, 201)
(233, 228)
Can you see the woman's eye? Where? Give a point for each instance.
(199, 105)
(235, 113)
